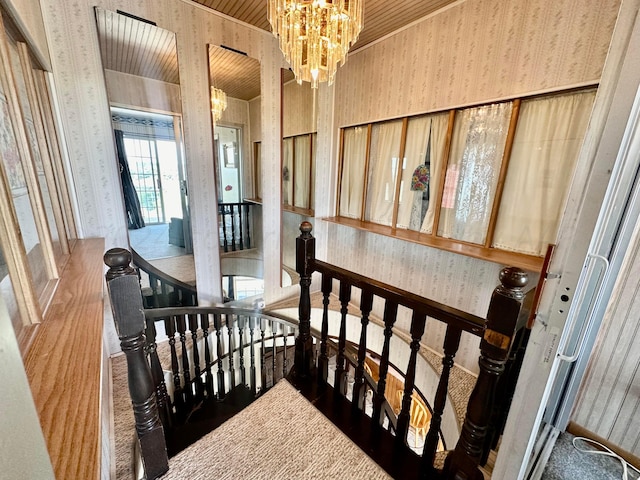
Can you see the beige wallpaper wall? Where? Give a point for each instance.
(476, 51)
(82, 96)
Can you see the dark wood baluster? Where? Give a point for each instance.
(323, 361)
(178, 396)
(340, 382)
(263, 356)
(359, 391)
(241, 327)
(418, 322)
(186, 368)
(230, 331)
(252, 369)
(305, 255)
(223, 214)
(162, 396)
(451, 344)
(195, 353)
(502, 318)
(274, 330)
(153, 284)
(220, 354)
(285, 334)
(126, 303)
(247, 220)
(233, 228)
(240, 227)
(207, 357)
(390, 315)
(164, 294)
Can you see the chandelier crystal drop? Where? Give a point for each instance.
(315, 36)
(218, 103)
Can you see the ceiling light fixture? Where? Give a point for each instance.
(218, 103)
(315, 36)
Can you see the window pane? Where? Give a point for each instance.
(302, 170)
(383, 167)
(423, 157)
(287, 171)
(314, 148)
(477, 147)
(545, 148)
(353, 174)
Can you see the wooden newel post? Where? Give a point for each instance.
(126, 304)
(304, 363)
(500, 326)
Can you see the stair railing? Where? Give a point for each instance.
(166, 291)
(496, 333)
(210, 353)
(235, 221)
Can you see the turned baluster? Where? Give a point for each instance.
(240, 227)
(389, 318)
(233, 228)
(162, 396)
(230, 331)
(126, 303)
(274, 351)
(252, 368)
(241, 327)
(451, 344)
(305, 255)
(263, 356)
(340, 382)
(247, 220)
(220, 355)
(184, 357)
(223, 214)
(323, 361)
(418, 322)
(207, 357)
(178, 396)
(285, 334)
(359, 391)
(500, 326)
(195, 351)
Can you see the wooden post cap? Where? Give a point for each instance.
(118, 260)
(305, 228)
(513, 278)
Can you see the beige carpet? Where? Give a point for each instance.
(280, 436)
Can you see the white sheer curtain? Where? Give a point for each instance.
(314, 149)
(383, 163)
(415, 211)
(548, 138)
(353, 173)
(287, 171)
(302, 162)
(477, 148)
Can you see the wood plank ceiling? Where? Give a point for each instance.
(381, 17)
(138, 48)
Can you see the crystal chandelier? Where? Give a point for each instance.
(218, 103)
(315, 35)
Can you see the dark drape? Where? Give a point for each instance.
(131, 201)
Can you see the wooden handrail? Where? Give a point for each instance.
(458, 318)
(187, 294)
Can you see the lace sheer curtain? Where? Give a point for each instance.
(415, 211)
(477, 148)
(383, 160)
(352, 186)
(548, 138)
(302, 170)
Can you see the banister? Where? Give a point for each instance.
(459, 318)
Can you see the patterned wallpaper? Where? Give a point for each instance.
(477, 51)
(83, 101)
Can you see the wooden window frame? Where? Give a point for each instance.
(484, 251)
